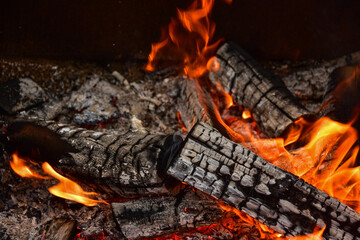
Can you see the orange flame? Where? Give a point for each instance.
(65, 189)
(246, 114)
(68, 189)
(190, 33)
(20, 168)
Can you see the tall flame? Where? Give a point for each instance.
(190, 33)
(65, 189)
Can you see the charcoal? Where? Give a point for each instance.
(94, 102)
(56, 229)
(150, 217)
(20, 94)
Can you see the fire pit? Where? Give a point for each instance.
(211, 146)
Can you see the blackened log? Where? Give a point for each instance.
(273, 107)
(315, 82)
(151, 217)
(123, 164)
(287, 204)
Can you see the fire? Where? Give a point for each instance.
(190, 34)
(68, 189)
(20, 168)
(65, 189)
(246, 114)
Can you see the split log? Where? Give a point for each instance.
(287, 204)
(190, 103)
(151, 217)
(127, 165)
(274, 108)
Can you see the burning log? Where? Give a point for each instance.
(274, 107)
(150, 217)
(230, 172)
(128, 165)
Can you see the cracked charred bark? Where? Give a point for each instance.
(274, 108)
(230, 172)
(128, 164)
(150, 217)
(315, 82)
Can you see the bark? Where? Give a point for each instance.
(127, 165)
(287, 204)
(273, 107)
(151, 217)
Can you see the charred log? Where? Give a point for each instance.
(274, 107)
(127, 165)
(275, 197)
(315, 82)
(150, 217)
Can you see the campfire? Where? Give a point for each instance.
(211, 146)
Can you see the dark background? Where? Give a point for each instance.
(114, 29)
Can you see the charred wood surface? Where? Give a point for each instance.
(274, 108)
(56, 229)
(315, 82)
(150, 217)
(275, 197)
(128, 165)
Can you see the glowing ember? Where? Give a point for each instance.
(246, 114)
(68, 189)
(20, 168)
(65, 189)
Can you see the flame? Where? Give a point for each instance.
(246, 114)
(65, 189)
(181, 123)
(190, 33)
(68, 189)
(20, 168)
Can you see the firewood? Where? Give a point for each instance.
(151, 217)
(55, 229)
(315, 82)
(273, 107)
(189, 105)
(228, 171)
(127, 165)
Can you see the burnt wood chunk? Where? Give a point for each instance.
(19, 94)
(151, 217)
(228, 171)
(273, 107)
(123, 164)
(315, 82)
(56, 229)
